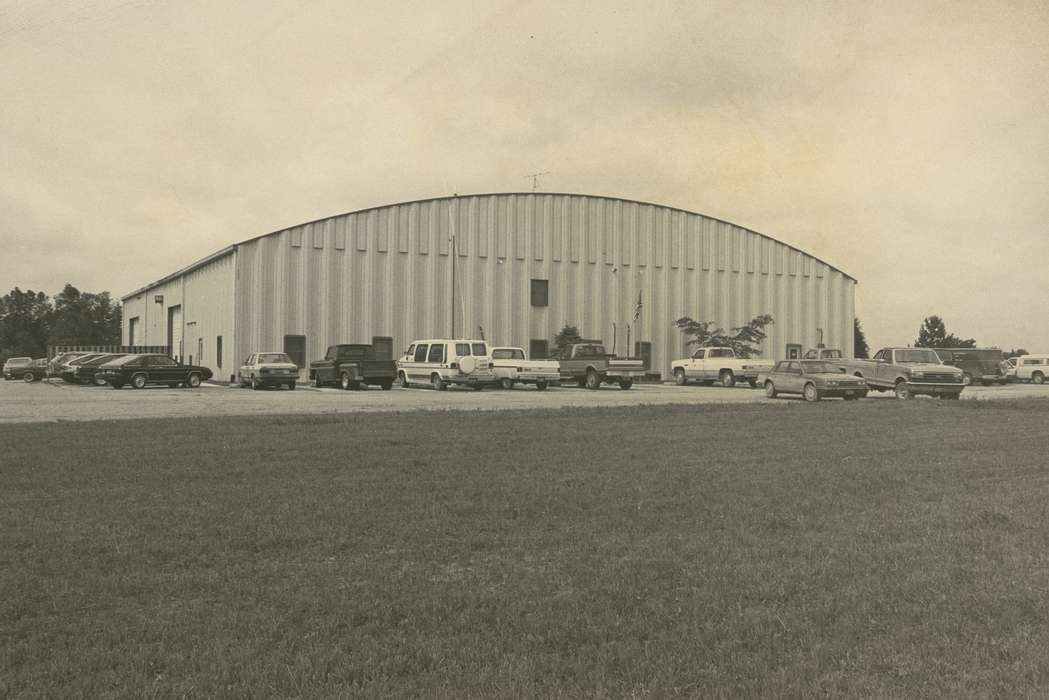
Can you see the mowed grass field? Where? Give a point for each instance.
(877, 549)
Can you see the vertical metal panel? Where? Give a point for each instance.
(359, 226)
(523, 222)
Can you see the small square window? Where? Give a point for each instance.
(538, 349)
(540, 292)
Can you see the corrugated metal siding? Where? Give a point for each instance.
(387, 272)
(205, 295)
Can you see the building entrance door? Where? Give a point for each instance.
(295, 348)
(793, 351)
(175, 332)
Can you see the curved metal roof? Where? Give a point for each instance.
(231, 248)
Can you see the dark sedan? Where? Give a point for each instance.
(140, 370)
(813, 379)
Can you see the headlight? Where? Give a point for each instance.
(832, 382)
(917, 374)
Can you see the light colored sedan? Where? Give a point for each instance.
(813, 379)
(268, 369)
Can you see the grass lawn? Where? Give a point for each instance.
(878, 548)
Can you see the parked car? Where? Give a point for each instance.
(352, 366)
(441, 362)
(589, 366)
(35, 371)
(908, 372)
(719, 364)
(14, 366)
(69, 369)
(813, 379)
(86, 371)
(1032, 368)
(982, 365)
(268, 369)
(511, 368)
(55, 365)
(138, 370)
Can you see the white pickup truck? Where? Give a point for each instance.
(708, 365)
(511, 368)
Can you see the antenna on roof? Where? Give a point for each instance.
(535, 179)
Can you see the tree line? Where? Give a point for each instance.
(30, 321)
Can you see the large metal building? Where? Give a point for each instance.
(514, 268)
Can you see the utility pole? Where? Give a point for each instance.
(535, 179)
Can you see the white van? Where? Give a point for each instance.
(441, 362)
(1032, 368)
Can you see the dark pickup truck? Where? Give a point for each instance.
(352, 366)
(590, 366)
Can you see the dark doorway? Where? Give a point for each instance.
(793, 351)
(643, 350)
(295, 347)
(382, 346)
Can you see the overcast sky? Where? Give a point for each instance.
(905, 143)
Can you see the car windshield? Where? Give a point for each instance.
(274, 357)
(832, 354)
(915, 355)
(818, 367)
(508, 354)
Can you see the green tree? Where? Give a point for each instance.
(859, 340)
(83, 318)
(24, 319)
(744, 340)
(933, 334)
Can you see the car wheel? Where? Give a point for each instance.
(753, 383)
(902, 391)
(386, 384)
(193, 381)
(506, 383)
(28, 377)
(344, 381)
(626, 383)
(291, 385)
(138, 381)
(438, 383)
(1038, 378)
(727, 379)
(581, 382)
(679, 377)
(541, 385)
(850, 398)
(593, 381)
(255, 386)
(967, 379)
(811, 393)
(770, 390)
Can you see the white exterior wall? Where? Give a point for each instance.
(387, 272)
(206, 296)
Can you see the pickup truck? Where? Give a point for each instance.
(590, 366)
(823, 354)
(511, 367)
(352, 365)
(708, 365)
(907, 372)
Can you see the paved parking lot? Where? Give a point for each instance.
(55, 400)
